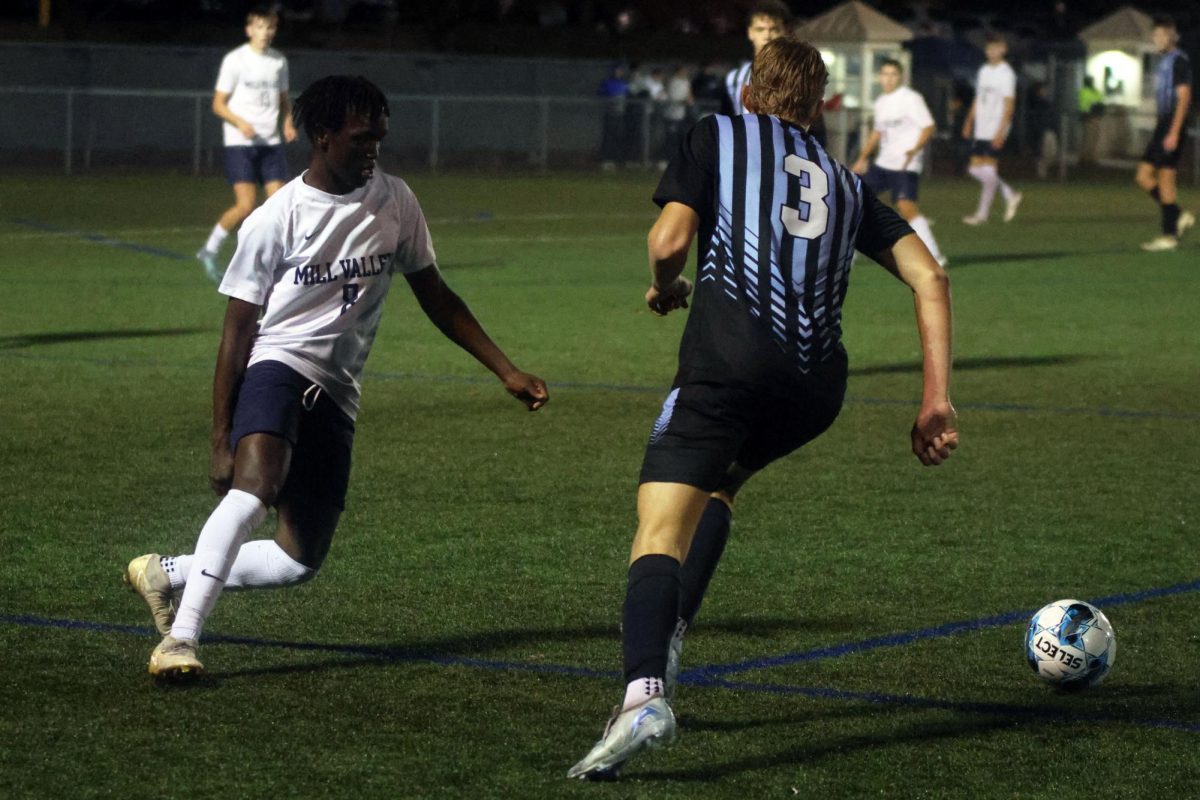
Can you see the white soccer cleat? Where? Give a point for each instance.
(649, 725)
(145, 576)
(175, 659)
(974, 219)
(674, 656)
(1186, 220)
(209, 260)
(1011, 205)
(1160, 243)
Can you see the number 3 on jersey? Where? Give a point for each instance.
(814, 188)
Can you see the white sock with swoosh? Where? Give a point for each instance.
(217, 548)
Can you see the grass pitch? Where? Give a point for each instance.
(462, 637)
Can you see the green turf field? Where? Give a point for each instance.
(461, 640)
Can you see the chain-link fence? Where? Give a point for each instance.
(80, 129)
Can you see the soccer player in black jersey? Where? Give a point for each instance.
(762, 370)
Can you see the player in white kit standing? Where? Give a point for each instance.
(251, 95)
(306, 290)
(987, 125)
(902, 128)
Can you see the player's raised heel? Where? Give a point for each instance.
(649, 725)
(1011, 206)
(1186, 220)
(175, 659)
(674, 657)
(211, 269)
(145, 576)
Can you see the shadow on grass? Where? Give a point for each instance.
(972, 364)
(33, 339)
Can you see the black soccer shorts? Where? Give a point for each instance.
(276, 399)
(1155, 155)
(705, 428)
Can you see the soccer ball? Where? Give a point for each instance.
(1071, 644)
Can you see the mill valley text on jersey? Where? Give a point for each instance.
(345, 269)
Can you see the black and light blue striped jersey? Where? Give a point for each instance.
(734, 81)
(1173, 70)
(779, 223)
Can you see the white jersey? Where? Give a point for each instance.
(321, 265)
(900, 116)
(995, 84)
(734, 81)
(254, 82)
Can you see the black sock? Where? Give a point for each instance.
(707, 546)
(1154, 195)
(648, 619)
(1170, 219)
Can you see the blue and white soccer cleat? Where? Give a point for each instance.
(649, 725)
(211, 269)
(674, 656)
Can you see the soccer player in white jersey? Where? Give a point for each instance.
(987, 126)
(902, 128)
(250, 97)
(306, 291)
(767, 20)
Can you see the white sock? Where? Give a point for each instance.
(216, 239)
(640, 690)
(1006, 191)
(216, 550)
(990, 180)
(976, 172)
(921, 226)
(260, 564)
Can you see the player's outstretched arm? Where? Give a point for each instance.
(237, 337)
(669, 242)
(452, 317)
(935, 432)
(860, 166)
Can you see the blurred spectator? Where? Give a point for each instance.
(1091, 109)
(615, 89)
(677, 113)
(1042, 122)
(708, 87)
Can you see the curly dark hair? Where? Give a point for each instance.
(325, 104)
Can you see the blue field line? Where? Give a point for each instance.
(713, 671)
(997, 709)
(100, 238)
(392, 654)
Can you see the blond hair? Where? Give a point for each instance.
(787, 80)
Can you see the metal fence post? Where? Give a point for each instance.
(70, 131)
(435, 123)
(544, 140)
(1064, 142)
(197, 134)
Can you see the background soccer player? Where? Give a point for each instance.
(767, 21)
(902, 128)
(762, 370)
(987, 125)
(251, 94)
(1157, 170)
(286, 391)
